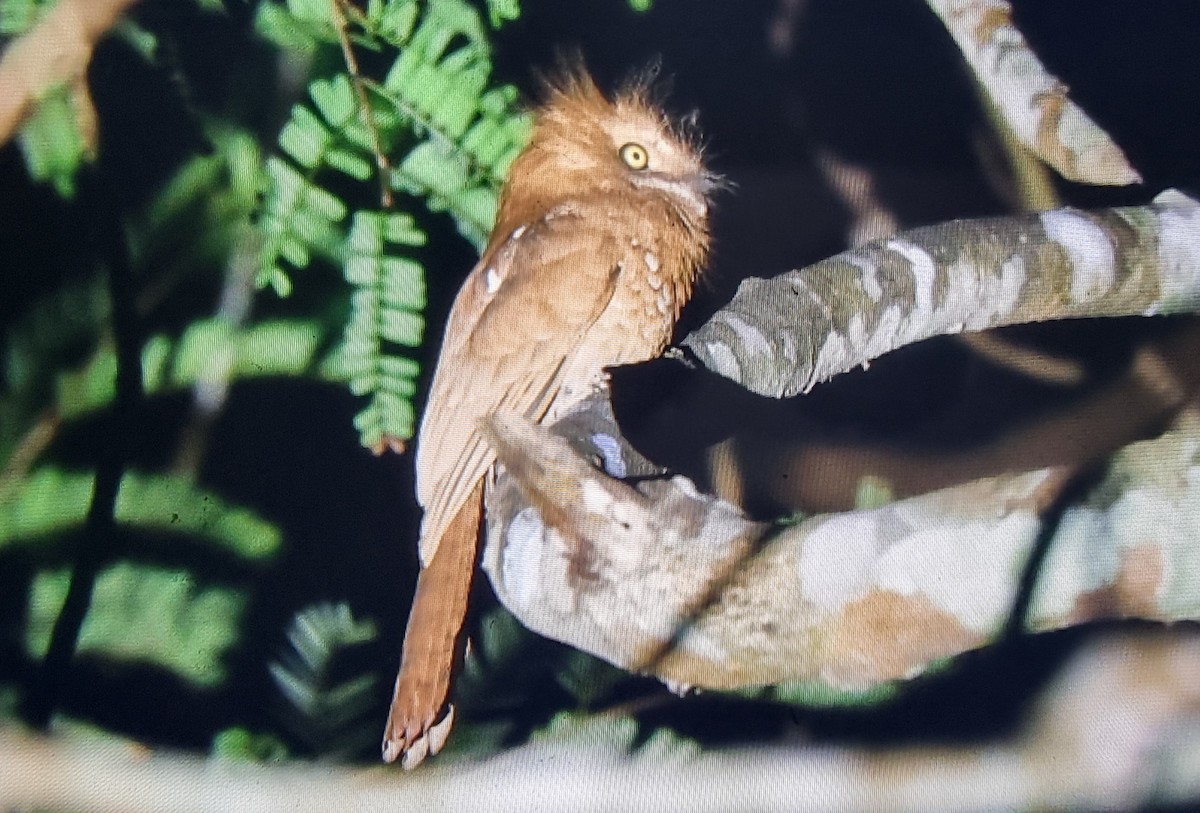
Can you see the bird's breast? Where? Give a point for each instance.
(635, 326)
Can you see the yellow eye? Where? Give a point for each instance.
(635, 156)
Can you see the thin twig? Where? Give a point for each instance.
(55, 52)
(423, 124)
(211, 391)
(1039, 365)
(1032, 184)
(356, 80)
(27, 451)
(100, 526)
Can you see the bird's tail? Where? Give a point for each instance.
(420, 717)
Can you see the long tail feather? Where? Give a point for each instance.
(420, 717)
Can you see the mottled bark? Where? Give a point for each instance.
(780, 337)
(1030, 100)
(659, 578)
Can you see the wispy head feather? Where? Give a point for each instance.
(581, 138)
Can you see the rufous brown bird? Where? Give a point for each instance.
(601, 232)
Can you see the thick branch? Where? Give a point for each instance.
(1031, 101)
(659, 578)
(782, 336)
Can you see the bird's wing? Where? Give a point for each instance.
(521, 313)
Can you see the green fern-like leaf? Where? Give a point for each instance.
(447, 137)
(501, 11)
(300, 24)
(615, 737)
(200, 216)
(144, 614)
(386, 308)
(213, 350)
(439, 87)
(52, 501)
(287, 29)
(327, 712)
(588, 679)
(52, 336)
(239, 744)
(18, 16)
(314, 141)
(209, 351)
(57, 137)
(298, 218)
(817, 694)
(54, 148)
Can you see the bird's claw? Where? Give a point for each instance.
(412, 740)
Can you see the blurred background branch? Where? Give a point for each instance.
(1117, 730)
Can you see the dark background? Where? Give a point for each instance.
(878, 84)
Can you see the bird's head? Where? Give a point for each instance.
(586, 143)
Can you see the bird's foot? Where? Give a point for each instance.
(415, 730)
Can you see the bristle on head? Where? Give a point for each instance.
(582, 138)
(574, 107)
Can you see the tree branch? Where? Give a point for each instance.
(658, 578)
(1116, 731)
(99, 539)
(780, 337)
(1031, 101)
(56, 52)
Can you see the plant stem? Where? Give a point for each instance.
(356, 80)
(99, 538)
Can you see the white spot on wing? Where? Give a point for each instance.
(651, 262)
(491, 280)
